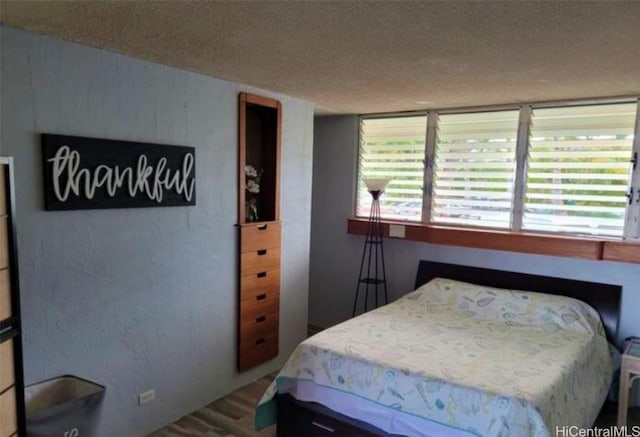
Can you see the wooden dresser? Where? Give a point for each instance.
(11, 381)
(260, 121)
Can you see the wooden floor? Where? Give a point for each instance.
(230, 416)
(233, 416)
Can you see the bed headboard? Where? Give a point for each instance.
(605, 298)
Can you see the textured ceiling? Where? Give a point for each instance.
(364, 57)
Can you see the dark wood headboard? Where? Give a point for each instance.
(605, 298)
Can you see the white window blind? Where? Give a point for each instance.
(393, 148)
(579, 168)
(475, 163)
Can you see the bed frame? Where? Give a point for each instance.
(309, 419)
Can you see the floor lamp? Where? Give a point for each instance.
(372, 271)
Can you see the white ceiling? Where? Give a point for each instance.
(365, 56)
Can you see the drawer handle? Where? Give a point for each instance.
(260, 341)
(321, 426)
(262, 252)
(261, 319)
(262, 296)
(262, 275)
(262, 227)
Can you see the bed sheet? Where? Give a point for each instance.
(476, 359)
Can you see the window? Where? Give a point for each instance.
(474, 169)
(538, 168)
(579, 168)
(393, 148)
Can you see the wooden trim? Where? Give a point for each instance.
(278, 154)
(262, 101)
(517, 242)
(242, 155)
(3, 192)
(623, 251)
(243, 100)
(540, 244)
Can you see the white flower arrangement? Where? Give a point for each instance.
(253, 177)
(252, 185)
(250, 171)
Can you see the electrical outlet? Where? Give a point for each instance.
(146, 397)
(396, 231)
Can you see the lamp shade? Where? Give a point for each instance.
(376, 184)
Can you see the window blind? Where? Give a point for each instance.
(579, 169)
(393, 148)
(474, 168)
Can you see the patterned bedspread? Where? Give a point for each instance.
(488, 361)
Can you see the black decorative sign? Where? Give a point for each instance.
(90, 173)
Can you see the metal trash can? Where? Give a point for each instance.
(66, 406)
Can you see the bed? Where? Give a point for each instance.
(465, 354)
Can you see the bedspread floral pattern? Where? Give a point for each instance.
(489, 361)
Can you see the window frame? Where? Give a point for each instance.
(631, 230)
(358, 163)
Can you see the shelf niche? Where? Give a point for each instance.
(260, 121)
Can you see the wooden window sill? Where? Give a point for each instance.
(524, 242)
(621, 251)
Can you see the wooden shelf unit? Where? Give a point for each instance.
(11, 377)
(260, 121)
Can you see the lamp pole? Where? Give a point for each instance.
(374, 274)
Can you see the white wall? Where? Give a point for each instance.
(335, 255)
(140, 299)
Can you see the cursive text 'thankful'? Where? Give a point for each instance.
(152, 180)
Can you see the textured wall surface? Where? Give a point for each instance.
(335, 255)
(140, 299)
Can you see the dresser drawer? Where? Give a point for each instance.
(259, 261)
(5, 295)
(259, 236)
(258, 283)
(7, 371)
(259, 327)
(261, 305)
(258, 352)
(4, 242)
(8, 413)
(259, 341)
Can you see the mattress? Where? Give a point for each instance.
(470, 359)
